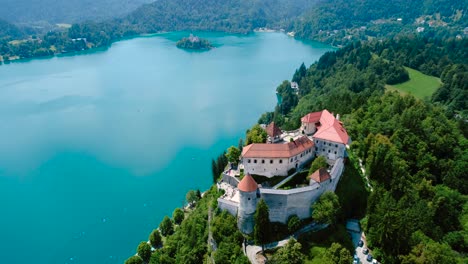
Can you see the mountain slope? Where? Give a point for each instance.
(68, 11)
(343, 21)
(227, 15)
(10, 30)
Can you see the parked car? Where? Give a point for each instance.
(361, 243)
(369, 258)
(365, 251)
(356, 261)
(374, 261)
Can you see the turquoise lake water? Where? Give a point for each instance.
(96, 148)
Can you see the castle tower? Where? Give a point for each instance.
(248, 189)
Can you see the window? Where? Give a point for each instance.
(295, 158)
(301, 155)
(281, 161)
(291, 159)
(329, 144)
(263, 161)
(316, 141)
(323, 150)
(316, 148)
(255, 161)
(336, 145)
(248, 160)
(335, 152)
(328, 151)
(271, 161)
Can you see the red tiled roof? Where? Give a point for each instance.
(272, 130)
(291, 149)
(311, 117)
(247, 184)
(320, 175)
(330, 129)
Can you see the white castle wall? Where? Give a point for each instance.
(285, 203)
(330, 150)
(229, 206)
(270, 167)
(282, 203)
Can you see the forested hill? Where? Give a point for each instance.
(343, 21)
(10, 30)
(66, 11)
(415, 152)
(240, 16)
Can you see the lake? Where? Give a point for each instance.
(96, 148)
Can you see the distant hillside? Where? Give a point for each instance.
(218, 15)
(10, 30)
(66, 11)
(343, 21)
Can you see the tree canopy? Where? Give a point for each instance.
(134, 260)
(178, 216)
(144, 251)
(318, 163)
(290, 253)
(166, 226)
(325, 210)
(155, 238)
(233, 154)
(256, 135)
(262, 223)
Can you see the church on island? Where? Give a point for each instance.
(285, 154)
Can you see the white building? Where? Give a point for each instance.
(276, 159)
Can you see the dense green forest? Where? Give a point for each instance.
(9, 30)
(69, 11)
(343, 21)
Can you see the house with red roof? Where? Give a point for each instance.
(327, 132)
(276, 159)
(273, 132)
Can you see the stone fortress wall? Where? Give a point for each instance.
(285, 203)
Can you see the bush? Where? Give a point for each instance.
(294, 223)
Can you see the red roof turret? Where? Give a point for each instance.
(247, 184)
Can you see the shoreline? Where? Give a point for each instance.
(147, 35)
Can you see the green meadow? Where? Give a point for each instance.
(420, 85)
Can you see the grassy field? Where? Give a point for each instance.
(420, 85)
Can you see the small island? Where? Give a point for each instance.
(194, 43)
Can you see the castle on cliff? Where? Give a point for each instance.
(320, 134)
